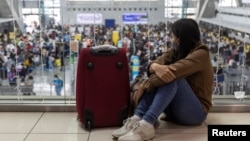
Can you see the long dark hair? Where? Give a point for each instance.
(187, 30)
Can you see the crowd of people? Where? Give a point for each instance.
(176, 57)
(48, 49)
(231, 51)
(21, 54)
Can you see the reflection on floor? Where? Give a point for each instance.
(63, 126)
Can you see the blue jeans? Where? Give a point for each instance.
(58, 91)
(176, 99)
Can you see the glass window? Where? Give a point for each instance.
(57, 4)
(35, 10)
(173, 3)
(173, 12)
(49, 3)
(191, 10)
(45, 91)
(89, 0)
(227, 3)
(113, 0)
(48, 11)
(52, 3)
(135, 0)
(26, 10)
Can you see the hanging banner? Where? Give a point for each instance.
(78, 37)
(89, 18)
(109, 23)
(115, 37)
(134, 18)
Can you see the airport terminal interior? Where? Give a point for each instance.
(40, 43)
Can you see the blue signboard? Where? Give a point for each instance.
(135, 18)
(135, 66)
(109, 23)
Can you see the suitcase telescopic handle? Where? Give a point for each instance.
(104, 50)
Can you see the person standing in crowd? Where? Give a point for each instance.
(36, 60)
(51, 59)
(28, 85)
(58, 84)
(12, 77)
(179, 84)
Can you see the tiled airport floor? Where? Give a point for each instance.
(63, 126)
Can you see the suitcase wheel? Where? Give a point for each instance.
(88, 125)
(88, 119)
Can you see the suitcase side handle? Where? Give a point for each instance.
(104, 50)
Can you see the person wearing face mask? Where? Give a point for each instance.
(179, 84)
(175, 44)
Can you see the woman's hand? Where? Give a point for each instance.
(138, 93)
(165, 72)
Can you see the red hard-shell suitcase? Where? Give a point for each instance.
(102, 86)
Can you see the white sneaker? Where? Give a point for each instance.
(140, 132)
(128, 125)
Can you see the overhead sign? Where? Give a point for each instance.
(89, 18)
(135, 18)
